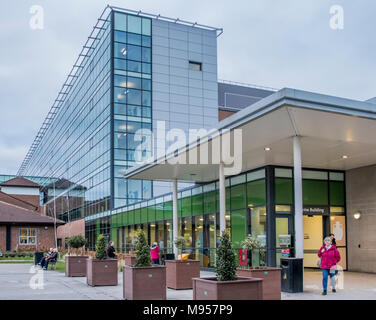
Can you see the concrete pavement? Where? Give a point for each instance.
(17, 281)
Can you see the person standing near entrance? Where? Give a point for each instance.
(329, 256)
(331, 235)
(154, 251)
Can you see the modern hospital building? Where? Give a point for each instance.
(306, 162)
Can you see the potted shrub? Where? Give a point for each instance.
(226, 285)
(144, 281)
(179, 273)
(101, 271)
(75, 265)
(271, 276)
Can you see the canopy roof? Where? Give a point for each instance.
(336, 133)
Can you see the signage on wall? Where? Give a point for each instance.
(284, 240)
(243, 257)
(315, 210)
(285, 252)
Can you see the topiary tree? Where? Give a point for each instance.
(180, 244)
(100, 248)
(226, 261)
(76, 242)
(143, 258)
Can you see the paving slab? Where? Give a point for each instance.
(26, 282)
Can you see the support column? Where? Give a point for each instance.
(175, 215)
(222, 198)
(298, 198)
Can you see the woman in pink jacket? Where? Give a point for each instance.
(329, 256)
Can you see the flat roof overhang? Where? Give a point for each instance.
(329, 127)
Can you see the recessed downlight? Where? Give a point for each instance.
(267, 148)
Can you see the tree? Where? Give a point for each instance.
(76, 242)
(100, 248)
(226, 260)
(143, 258)
(180, 244)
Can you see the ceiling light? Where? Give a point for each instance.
(345, 156)
(267, 148)
(357, 215)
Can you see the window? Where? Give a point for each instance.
(196, 66)
(28, 236)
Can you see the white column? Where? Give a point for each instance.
(222, 198)
(175, 215)
(298, 198)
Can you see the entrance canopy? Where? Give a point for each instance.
(335, 133)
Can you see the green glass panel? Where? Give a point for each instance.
(114, 221)
(186, 207)
(283, 191)
(137, 216)
(98, 231)
(238, 227)
(151, 213)
(337, 193)
(144, 215)
(238, 197)
(227, 199)
(197, 204)
(131, 217)
(179, 207)
(124, 218)
(159, 212)
(209, 202)
(168, 210)
(315, 192)
(256, 193)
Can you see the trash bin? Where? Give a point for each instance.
(292, 275)
(37, 257)
(167, 256)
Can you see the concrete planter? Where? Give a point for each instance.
(102, 272)
(75, 266)
(272, 280)
(144, 283)
(179, 274)
(129, 259)
(240, 289)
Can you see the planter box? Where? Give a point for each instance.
(102, 272)
(130, 259)
(272, 280)
(75, 266)
(144, 283)
(240, 289)
(179, 274)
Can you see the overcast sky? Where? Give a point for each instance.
(276, 43)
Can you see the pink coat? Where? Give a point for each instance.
(329, 258)
(155, 253)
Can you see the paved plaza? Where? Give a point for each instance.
(17, 280)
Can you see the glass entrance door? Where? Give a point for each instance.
(283, 228)
(312, 239)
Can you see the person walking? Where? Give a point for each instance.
(154, 251)
(111, 250)
(329, 256)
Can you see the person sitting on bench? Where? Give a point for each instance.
(51, 258)
(42, 261)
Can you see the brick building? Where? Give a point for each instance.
(23, 229)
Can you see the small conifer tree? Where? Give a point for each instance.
(226, 263)
(143, 258)
(100, 248)
(180, 244)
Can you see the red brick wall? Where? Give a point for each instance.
(223, 114)
(70, 229)
(45, 238)
(3, 238)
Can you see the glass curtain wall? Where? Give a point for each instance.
(132, 104)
